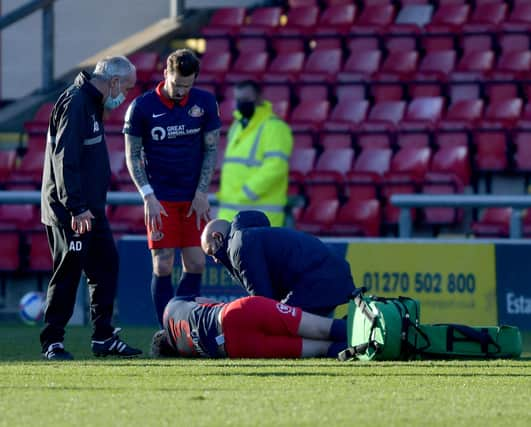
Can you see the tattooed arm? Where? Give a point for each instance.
(135, 164)
(200, 203)
(209, 160)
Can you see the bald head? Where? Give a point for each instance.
(213, 235)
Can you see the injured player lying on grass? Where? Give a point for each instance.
(249, 327)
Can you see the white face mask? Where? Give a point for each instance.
(114, 102)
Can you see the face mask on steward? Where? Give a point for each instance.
(246, 108)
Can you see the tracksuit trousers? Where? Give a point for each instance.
(94, 253)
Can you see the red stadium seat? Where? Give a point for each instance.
(504, 113)
(442, 184)
(309, 115)
(490, 153)
(494, 222)
(347, 115)
(363, 42)
(286, 67)
(437, 64)
(323, 185)
(274, 93)
(522, 155)
(449, 17)
(513, 41)
(218, 44)
(128, 219)
(39, 122)
(18, 217)
(519, 19)
(424, 111)
(248, 66)
(7, 164)
(487, 16)
(401, 64)
(301, 20)
(411, 163)
(375, 162)
(357, 218)
(146, 64)
(262, 21)
(374, 17)
(434, 70)
(302, 140)
(336, 19)
(312, 92)
(408, 168)
(463, 114)
(302, 3)
(40, 258)
(281, 109)
(226, 110)
(318, 216)
(413, 138)
(335, 140)
(214, 66)
(337, 160)
(452, 160)
(395, 184)
(29, 170)
(511, 65)
(385, 115)
(225, 22)
(353, 92)
(322, 65)
(10, 259)
(397, 67)
(251, 44)
(360, 65)
(451, 137)
(301, 161)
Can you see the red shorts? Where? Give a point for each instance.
(178, 231)
(262, 328)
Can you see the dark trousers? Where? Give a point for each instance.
(94, 253)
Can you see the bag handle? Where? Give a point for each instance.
(469, 334)
(351, 352)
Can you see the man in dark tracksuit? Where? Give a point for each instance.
(75, 181)
(279, 263)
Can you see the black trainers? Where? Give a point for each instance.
(56, 351)
(114, 346)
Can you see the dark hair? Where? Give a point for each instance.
(250, 83)
(184, 62)
(160, 347)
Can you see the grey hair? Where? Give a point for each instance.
(112, 66)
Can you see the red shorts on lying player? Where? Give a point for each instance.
(250, 327)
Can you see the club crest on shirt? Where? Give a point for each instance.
(196, 111)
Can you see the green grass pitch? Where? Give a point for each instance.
(316, 392)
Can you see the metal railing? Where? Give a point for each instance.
(407, 201)
(115, 198)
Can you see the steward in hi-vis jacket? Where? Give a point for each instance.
(255, 169)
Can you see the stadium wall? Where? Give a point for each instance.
(461, 281)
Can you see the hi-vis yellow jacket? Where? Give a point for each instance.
(255, 169)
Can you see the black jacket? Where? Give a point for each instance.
(285, 264)
(76, 173)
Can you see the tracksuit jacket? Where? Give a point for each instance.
(76, 173)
